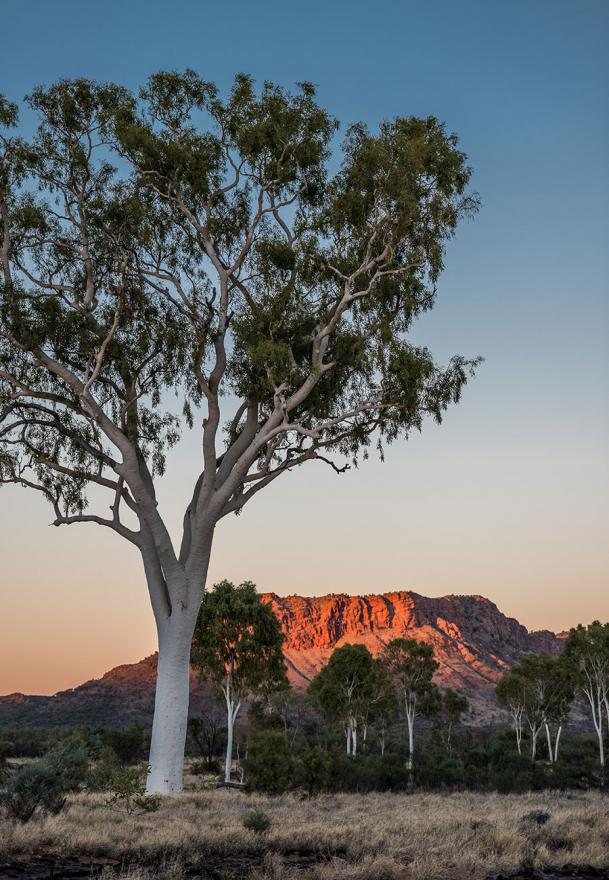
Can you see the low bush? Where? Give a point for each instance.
(269, 765)
(128, 791)
(315, 770)
(257, 821)
(102, 772)
(34, 787)
(128, 744)
(69, 759)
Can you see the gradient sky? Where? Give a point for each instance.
(508, 498)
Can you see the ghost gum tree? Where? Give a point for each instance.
(411, 666)
(347, 689)
(237, 647)
(178, 243)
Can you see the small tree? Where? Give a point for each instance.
(237, 648)
(182, 244)
(510, 693)
(451, 707)
(587, 653)
(344, 689)
(382, 707)
(411, 666)
(541, 689)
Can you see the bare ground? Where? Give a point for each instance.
(331, 837)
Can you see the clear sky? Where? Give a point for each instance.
(508, 498)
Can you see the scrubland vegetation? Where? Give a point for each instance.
(424, 835)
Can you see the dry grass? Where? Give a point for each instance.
(360, 837)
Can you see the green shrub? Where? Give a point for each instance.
(70, 761)
(34, 787)
(257, 821)
(128, 791)
(315, 770)
(370, 773)
(6, 748)
(26, 742)
(269, 766)
(128, 744)
(101, 774)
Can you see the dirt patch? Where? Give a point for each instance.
(576, 872)
(55, 869)
(206, 867)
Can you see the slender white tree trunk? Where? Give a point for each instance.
(517, 719)
(534, 735)
(382, 741)
(348, 734)
(549, 741)
(171, 704)
(354, 736)
(232, 710)
(556, 741)
(410, 720)
(596, 699)
(228, 762)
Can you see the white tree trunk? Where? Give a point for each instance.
(354, 737)
(598, 726)
(534, 734)
(556, 741)
(171, 705)
(595, 699)
(228, 762)
(549, 741)
(410, 720)
(232, 710)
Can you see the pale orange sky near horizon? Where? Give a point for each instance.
(436, 518)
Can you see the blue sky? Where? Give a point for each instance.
(509, 497)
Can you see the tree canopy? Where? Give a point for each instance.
(238, 639)
(181, 242)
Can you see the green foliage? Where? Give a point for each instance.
(6, 749)
(25, 741)
(128, 791)
(238, 640)
(128, 744)
(257, 821)
(586, 656)
(540, 690)
(269, 765)
(103, 770)
(315, 770)
(69, 759)
(34, 787)
(350, 685)
(410, 666)
(192, 244)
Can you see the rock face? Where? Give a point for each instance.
(473, 642)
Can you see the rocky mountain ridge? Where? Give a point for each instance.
(473, 641)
